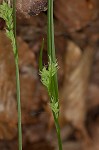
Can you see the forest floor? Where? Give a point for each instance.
(77, 49)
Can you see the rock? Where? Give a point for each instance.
(26, 8)
(29, 7)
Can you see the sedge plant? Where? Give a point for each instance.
(49, 73)
(8, 13)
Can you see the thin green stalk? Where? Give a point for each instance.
(17, 79)
(58, 131)
(51, 45)
(9, 15)
(18, 104)
(49, 75)
(40, 57)
(51, 53)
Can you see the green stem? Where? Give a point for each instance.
(58, 131)
(17, 79)
(51, 45)
(18, 104)
(51, 53)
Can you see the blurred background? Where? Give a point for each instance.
(77, 50)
